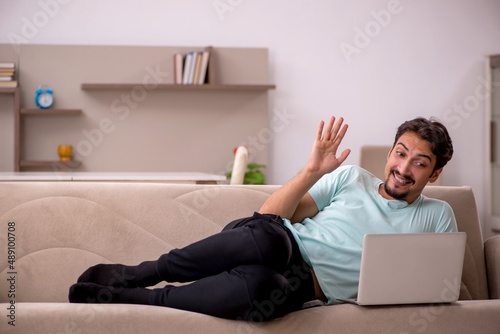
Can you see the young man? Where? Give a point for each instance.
(305, 241)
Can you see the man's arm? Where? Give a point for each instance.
(292, 200)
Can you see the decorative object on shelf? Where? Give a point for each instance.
(44, 98)
(239, 165)
(65, 152)
(252, 175)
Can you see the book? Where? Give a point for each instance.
(6, 72)
(7, 64)
(192, 66)
(187, 65)
(178, 65)
(6, 78)
(204, 66)
(8, 84)
(197, 68)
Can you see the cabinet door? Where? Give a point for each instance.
(494, 152)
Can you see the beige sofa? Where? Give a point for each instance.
(58, 229)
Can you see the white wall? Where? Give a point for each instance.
(424, 59)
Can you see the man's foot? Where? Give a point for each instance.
(94, 293)
(119, 275)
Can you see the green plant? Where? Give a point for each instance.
(253, 175)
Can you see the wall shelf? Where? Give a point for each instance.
(231, 87)
(51, 111)
(8, 90)
(45, 164)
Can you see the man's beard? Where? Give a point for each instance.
(392, 192)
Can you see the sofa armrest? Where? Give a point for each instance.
(492, 257)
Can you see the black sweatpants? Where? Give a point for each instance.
(252, 270)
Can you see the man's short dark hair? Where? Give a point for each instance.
(432, 131)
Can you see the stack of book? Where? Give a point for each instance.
(7, 70)
(192, 68)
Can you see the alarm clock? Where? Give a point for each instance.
(44, 98)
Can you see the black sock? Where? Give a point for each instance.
(119, 275)
(94, 293)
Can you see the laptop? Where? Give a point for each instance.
(410, 268)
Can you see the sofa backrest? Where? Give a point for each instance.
(62, 228)
(462, 201)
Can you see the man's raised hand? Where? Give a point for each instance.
(323, 158)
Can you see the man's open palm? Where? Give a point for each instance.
(323, 158)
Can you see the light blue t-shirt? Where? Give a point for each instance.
(350, 207)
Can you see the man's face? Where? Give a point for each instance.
(409, 167)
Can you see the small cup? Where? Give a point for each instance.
(65, 152)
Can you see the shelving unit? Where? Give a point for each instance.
(230, 107)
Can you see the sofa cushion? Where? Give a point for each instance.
(460, 317)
